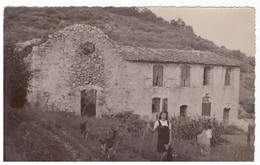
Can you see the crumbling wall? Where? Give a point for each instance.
(70, 60)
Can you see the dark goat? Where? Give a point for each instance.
(108, 146)
(85, 129)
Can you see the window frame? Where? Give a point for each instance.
(158, 75)
(228, 75)
(165, 104)
(206, 76)
(206, 109)
(156, 100)
(185, 76)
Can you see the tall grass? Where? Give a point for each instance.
(55, 136)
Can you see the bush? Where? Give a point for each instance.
(130, 122)
(232, 130)
(188, 129)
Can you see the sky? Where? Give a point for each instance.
(233, 28)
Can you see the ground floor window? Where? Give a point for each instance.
(165, 104)
(156, 105)
(206, 109)
(183, 110)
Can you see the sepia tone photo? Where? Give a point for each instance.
(129, 84)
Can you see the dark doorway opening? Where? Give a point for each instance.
(226, 116)
(88, 103)
(183, 110)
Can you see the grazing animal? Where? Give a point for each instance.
(108, 147)
(169, 155)
(85, 129)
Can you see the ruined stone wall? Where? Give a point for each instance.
(65, 65)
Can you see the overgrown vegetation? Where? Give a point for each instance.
(188, 129)
(55, 136)
(16, 73)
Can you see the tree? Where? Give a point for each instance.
(16, 73)
(181, 23)
(174, 23)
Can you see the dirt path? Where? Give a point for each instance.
(78, 147)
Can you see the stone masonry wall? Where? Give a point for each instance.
(63, 67)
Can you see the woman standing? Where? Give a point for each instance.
(163, 128)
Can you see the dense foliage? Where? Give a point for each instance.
(187, 128)
(16, 73)
(128, 26)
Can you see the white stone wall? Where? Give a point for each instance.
(135, 90)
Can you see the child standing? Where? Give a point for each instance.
(208, 132)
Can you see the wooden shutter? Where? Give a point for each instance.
(157, 75)
(165, 104)
(155, 105)
(206, 109)
(206, 77)
(187, 82)
(185, 76)
(228, 76)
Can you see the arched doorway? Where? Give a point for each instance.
(226, 116)
(183, 110)
(88, 102)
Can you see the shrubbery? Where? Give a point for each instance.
(188, 128)
(130, 122)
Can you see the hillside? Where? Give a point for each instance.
(126, 26)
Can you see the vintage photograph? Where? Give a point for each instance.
(129, 83)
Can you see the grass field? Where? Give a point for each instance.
(31, 135)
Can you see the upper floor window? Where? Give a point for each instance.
(228, 76)
(155, 105)
(157, 75)
(185, 76)
(206, 76)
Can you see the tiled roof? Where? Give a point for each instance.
(142, 54)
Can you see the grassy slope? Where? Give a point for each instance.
(55, 136)
(127, 26)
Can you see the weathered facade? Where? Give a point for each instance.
(79, 69)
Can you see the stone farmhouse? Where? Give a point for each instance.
(80, 70)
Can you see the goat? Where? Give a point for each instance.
(108, 146)
(85, 129)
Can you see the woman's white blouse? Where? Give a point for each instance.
(163, 123)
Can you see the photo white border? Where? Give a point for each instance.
(118, 3)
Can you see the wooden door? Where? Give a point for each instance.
(88, 103)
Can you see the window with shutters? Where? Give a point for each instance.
(185, 76)
(165, 104)
(157, 75)
(206, 106)
(228, 76)
(155, 105)
(206, 109)
(206, 76)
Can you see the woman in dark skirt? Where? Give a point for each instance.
(163, 128)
